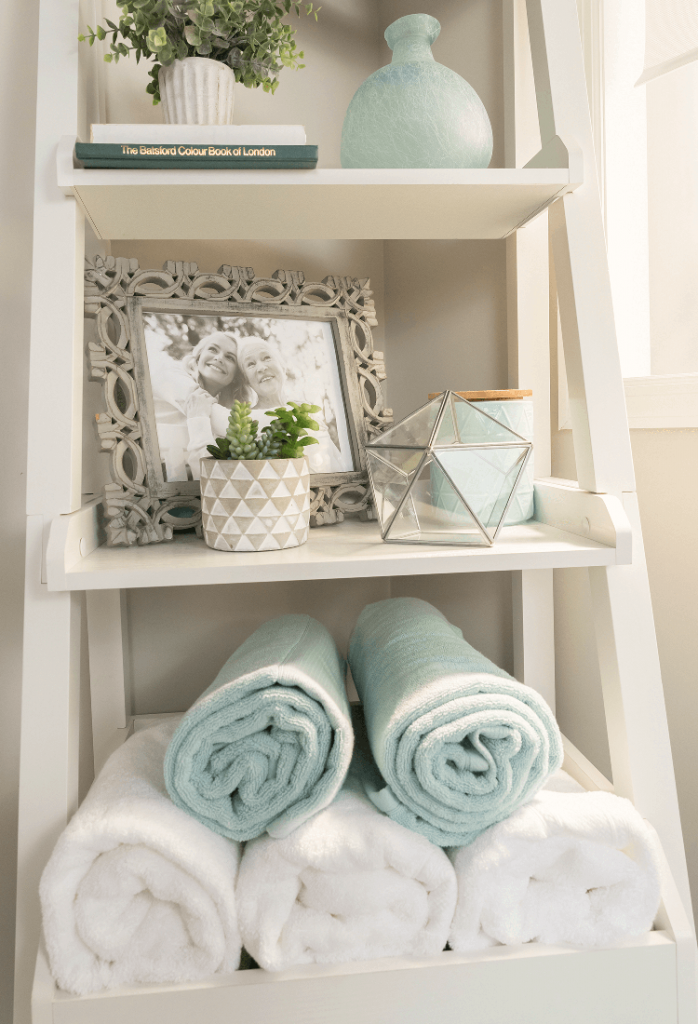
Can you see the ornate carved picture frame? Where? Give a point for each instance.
(154, 489)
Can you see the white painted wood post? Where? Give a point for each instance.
(529, 367)
(673, 918)
(56, 364)
(49, 747)
(597, 401)
(638, 732)
(50, 687)
(528, 300)
(534, 631)
(110, 693)
(43, 991)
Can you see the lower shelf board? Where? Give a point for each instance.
(634, 983)
(346, 550)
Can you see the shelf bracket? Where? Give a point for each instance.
(559, 152)
(598, 517)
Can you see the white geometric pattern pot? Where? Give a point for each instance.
(197, 90)
(255, 504)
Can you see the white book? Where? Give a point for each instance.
(201, 134)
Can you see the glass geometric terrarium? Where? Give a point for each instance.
(446, 474)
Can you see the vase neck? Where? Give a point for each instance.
(410, 38)
(411, 49)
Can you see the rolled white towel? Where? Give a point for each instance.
(136, 890)
(573, 867)
(349, 884)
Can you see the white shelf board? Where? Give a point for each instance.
(349, 549)
(633, 982)
(323, 203)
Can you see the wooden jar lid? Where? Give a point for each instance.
(487, 396)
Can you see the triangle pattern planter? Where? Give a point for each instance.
(255, 505)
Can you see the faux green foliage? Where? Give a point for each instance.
(286, 437)
(248, 35)
(291, 426)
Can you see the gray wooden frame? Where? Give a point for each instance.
(140, 507)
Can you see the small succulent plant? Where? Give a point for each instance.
(286, 437)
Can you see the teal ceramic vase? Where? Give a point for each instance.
(415, 112)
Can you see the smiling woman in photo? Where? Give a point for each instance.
(263, 370)
(213, 366)
(192, 403)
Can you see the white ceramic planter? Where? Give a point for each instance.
(197, 90)
(255, 505)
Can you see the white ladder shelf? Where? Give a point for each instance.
(593, 524)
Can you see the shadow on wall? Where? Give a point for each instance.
(180, 637)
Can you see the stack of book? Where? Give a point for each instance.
(248, 146)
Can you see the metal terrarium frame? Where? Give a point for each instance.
(430, 448)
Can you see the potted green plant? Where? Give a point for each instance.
(200, 48)
(255, 488)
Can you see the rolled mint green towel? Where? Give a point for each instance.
(459, 743)
(268, 744)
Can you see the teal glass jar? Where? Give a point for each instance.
(415, 112)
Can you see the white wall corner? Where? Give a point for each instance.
(652, 402)
(662, 402)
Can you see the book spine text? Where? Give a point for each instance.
(207, 151)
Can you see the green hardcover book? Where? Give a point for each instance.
(93, 154)
(154, 164)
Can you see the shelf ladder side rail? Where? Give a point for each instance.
(581, 271)
(628, 657)
(51, 667)
(56, 360)
(528, 290)
(49, 745)
(110, 680)
(597, 400)
(638, 732)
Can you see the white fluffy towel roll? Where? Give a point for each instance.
(349, 884)
(570, 866)
(136, 890)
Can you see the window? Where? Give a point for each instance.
(642, 78)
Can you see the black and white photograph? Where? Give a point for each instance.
(200, 364)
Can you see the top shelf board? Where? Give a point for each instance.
(323, 203)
